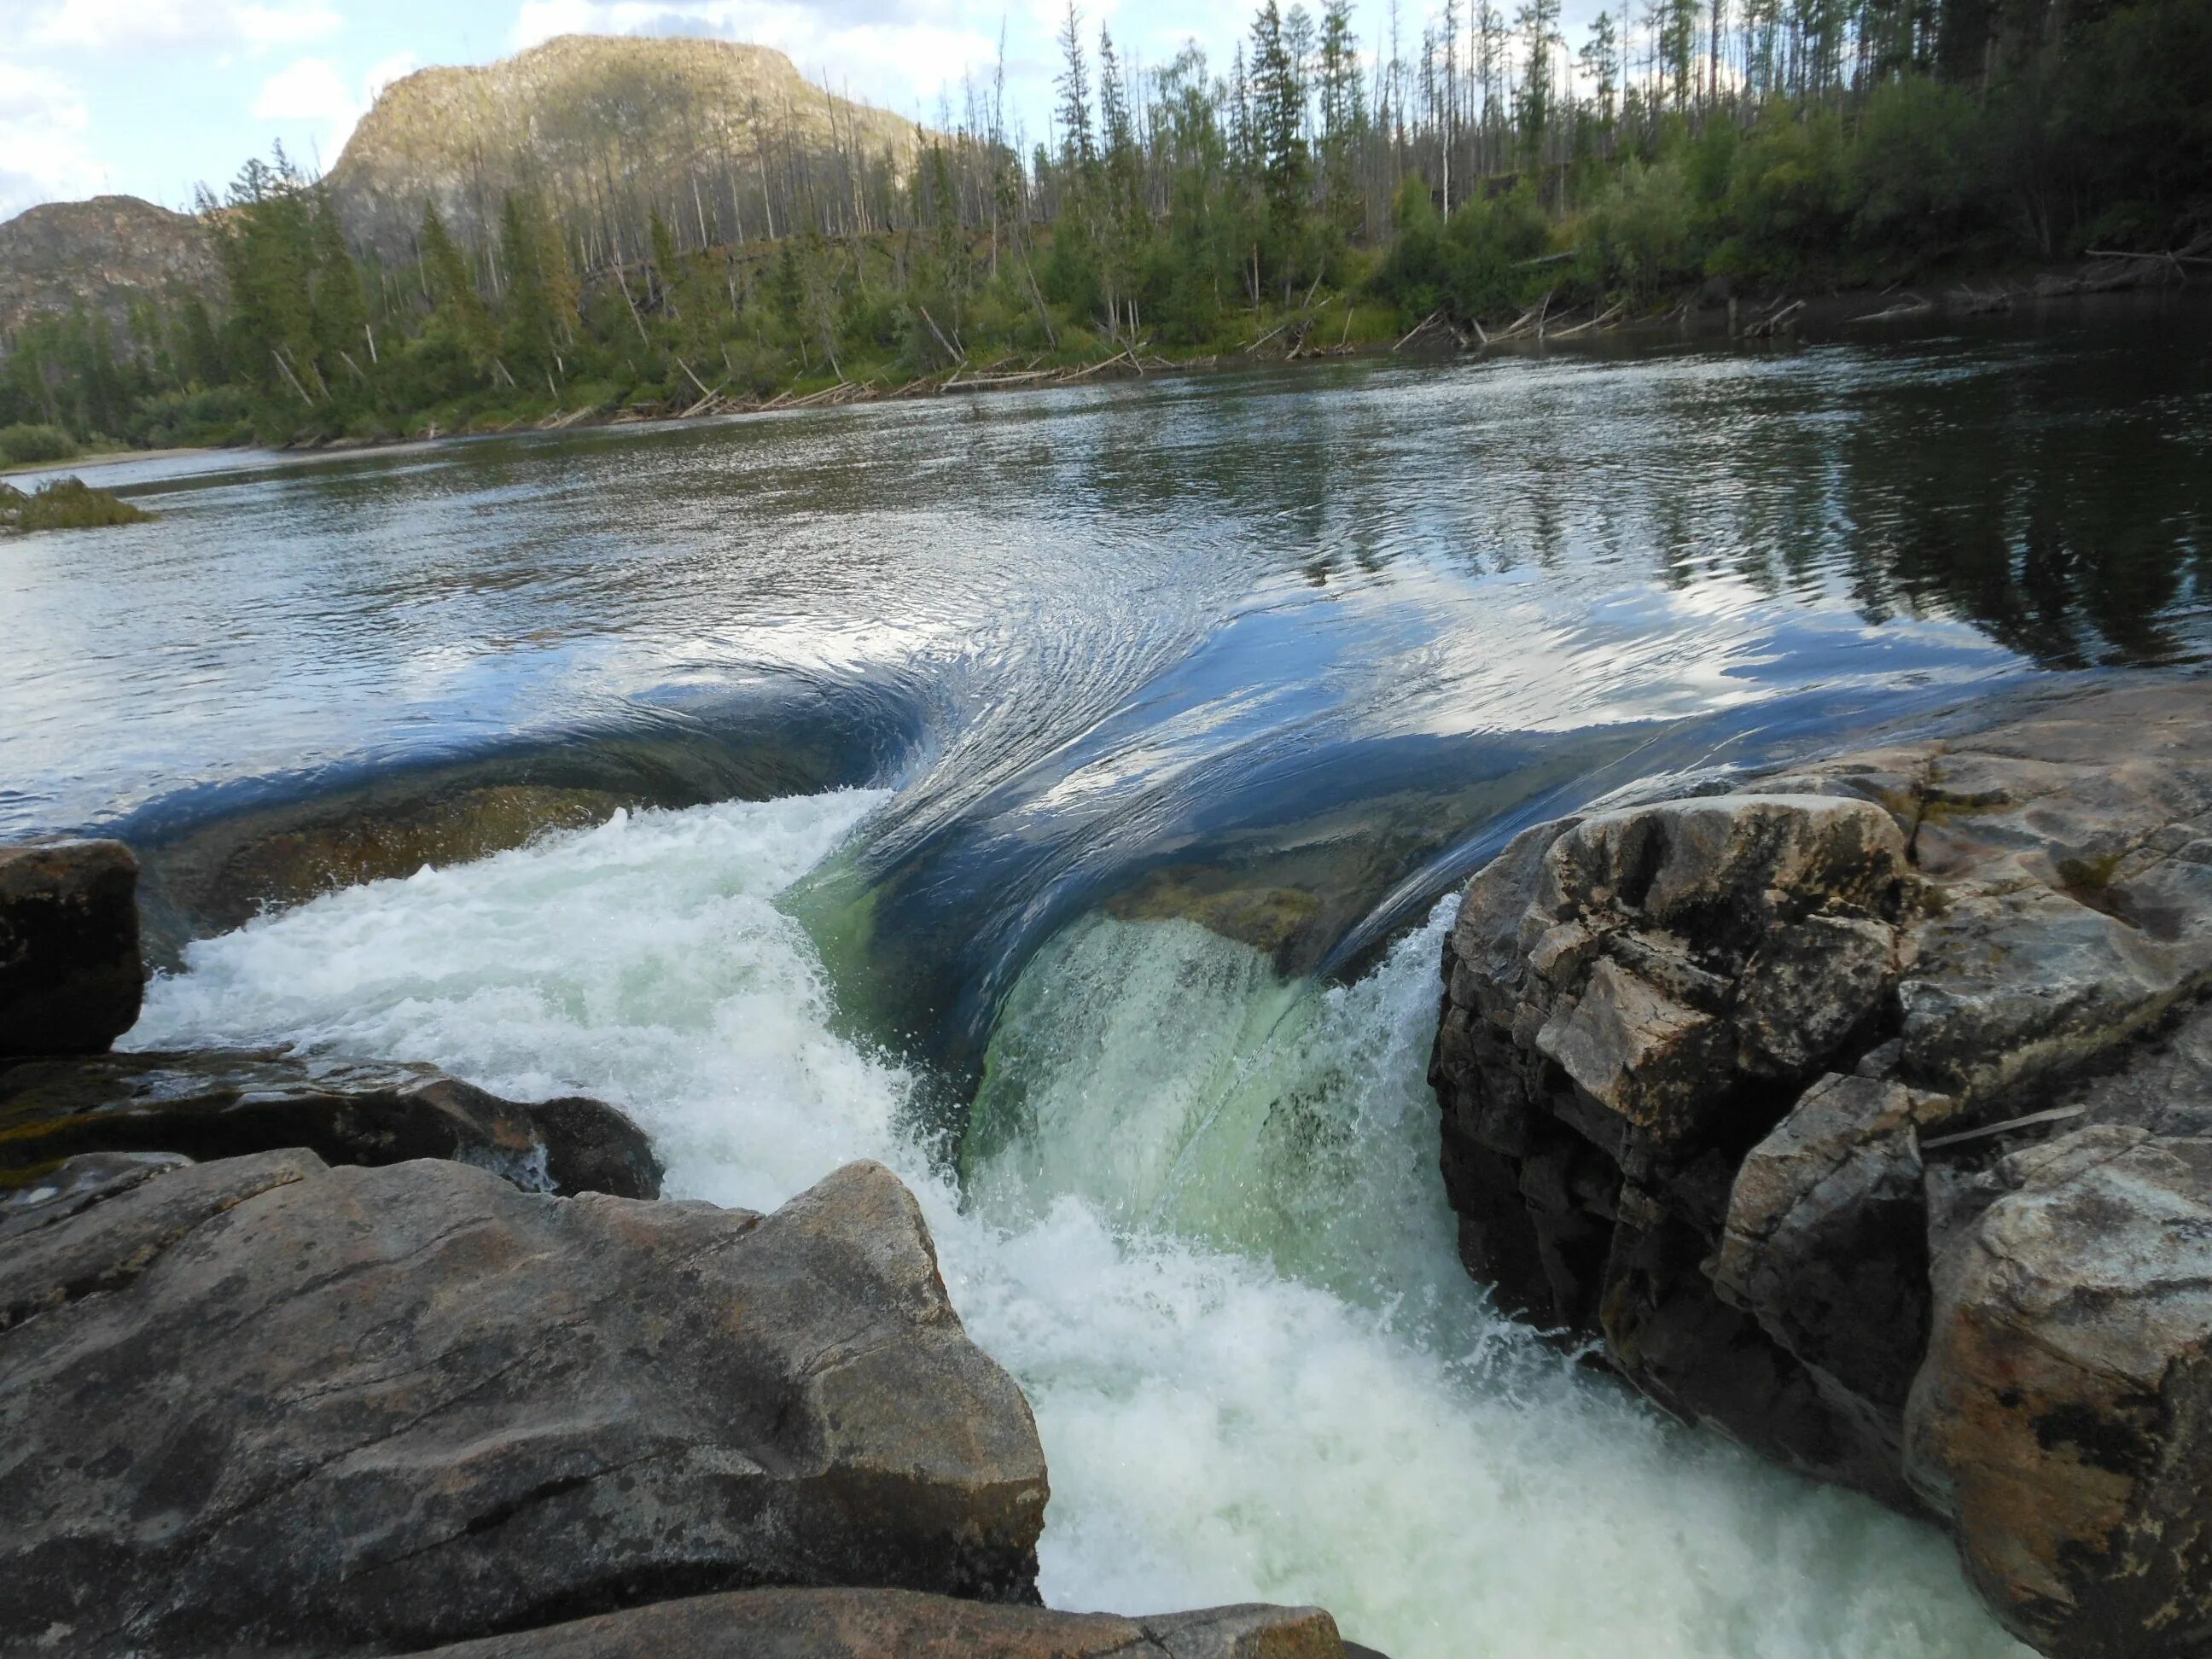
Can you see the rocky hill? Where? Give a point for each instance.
(103, 254)
(708, 132)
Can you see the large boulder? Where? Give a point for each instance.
(226, 1102)
(2061, 1418)
(876, 1624)
(70, 977)
(1753, 1089)
(263, 1403)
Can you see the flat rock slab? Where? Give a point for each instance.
(262, 1403)
(871, 1624)
(71, 978)
(229, 1103)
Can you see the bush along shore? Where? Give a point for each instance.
(1864, 1112)
(64, 504)
(1331, 188)
(405, 1367)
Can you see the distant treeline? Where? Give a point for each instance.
(1339, 186)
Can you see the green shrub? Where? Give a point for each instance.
(1914, 172)
(70, 504)
(26, 445)
(1636, 239)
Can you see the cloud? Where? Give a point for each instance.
(43, 153)
(309, 89)
(125, 25)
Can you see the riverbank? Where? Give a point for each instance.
(1335, 330)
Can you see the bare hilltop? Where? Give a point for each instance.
(595, 123)
(106, 255)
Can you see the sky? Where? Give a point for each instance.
(151, 97)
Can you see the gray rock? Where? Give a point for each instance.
(1720, 1078)
(40, 1196)
(877, 1624)
(2060, 1419)
(71, 978)
(226, 1102)
(264, 1403)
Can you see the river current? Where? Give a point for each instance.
(1059, 798)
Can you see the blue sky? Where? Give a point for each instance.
(148, 97)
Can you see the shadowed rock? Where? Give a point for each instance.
(69, 975)
(226, 1102)
(264, 1403)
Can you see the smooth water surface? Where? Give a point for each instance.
(1057, 796)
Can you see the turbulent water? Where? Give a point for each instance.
(1219, 1264)
(1059, 798)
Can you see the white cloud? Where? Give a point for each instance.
(124, 25)
(43, 153)
(309, 89)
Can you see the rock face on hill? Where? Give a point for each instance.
(1866, 1113)
(106, 254)
(602, 127)
(266, 1403)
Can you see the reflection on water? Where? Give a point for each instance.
(1206, 643)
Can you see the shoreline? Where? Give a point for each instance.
(1704, 316)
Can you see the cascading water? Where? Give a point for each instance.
(1200, 1221)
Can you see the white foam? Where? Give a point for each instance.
(1366, 1436)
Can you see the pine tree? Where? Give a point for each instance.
(1278, 121)
(456, 304)
(528, 330)
(340, 308)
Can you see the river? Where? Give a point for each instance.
(1057, 796)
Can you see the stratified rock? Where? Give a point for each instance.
(2061, 1420)
(41, 1196)
(69, 975)
(1720, 1078)
(226, 1102)
(874, 1623)
(1631, 998)
(262, 1403)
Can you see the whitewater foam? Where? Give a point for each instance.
(1219, 1260)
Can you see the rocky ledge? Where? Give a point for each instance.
(1865, 1114)
(308, 1357)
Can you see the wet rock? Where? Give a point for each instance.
(36, 1198)
(1721, 1077)
(226, 1102)
(263, 1403)
(69, 973)
(874, 1623)
(2060, 1419)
